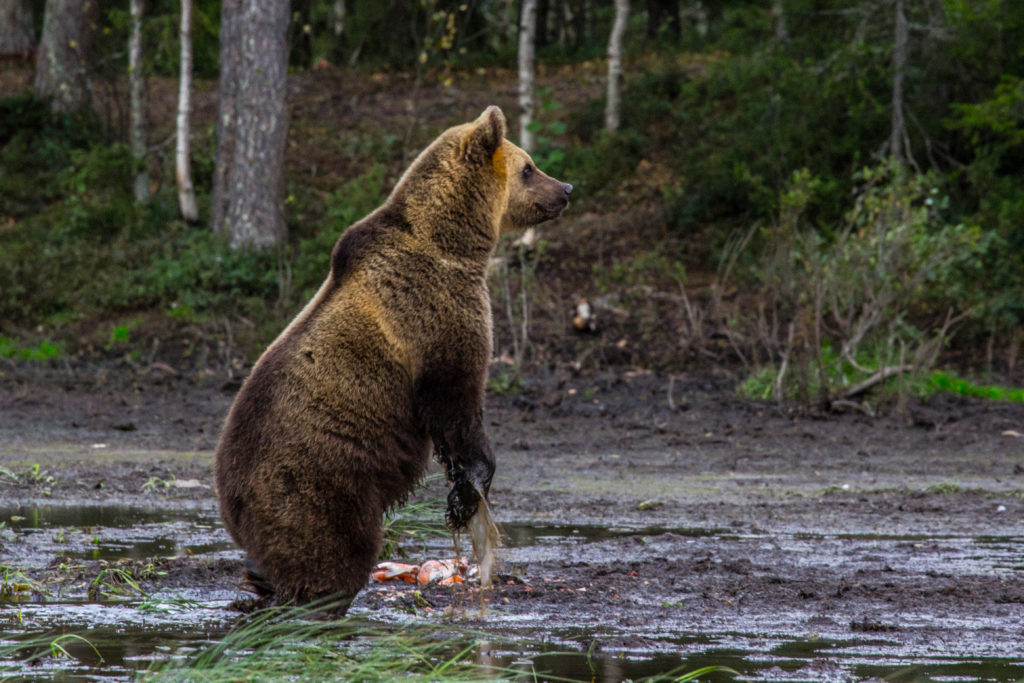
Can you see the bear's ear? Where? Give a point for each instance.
(487, 133)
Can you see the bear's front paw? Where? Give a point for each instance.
(463, 500)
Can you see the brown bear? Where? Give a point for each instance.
(387, 363)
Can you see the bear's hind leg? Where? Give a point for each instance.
(327, 558)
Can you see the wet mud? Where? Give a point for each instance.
(641, 533)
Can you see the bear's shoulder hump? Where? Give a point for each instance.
(362, 239)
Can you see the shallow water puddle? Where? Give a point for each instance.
(564, 640)
(98, 532)
(526, 535)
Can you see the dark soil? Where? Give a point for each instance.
(672, 508)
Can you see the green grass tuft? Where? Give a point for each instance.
(943, 383)
(300, 644)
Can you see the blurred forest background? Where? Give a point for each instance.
(821, 197)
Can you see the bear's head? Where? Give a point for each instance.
(533, 196)
(470, 173)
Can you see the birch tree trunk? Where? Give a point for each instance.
(899, 66)
(614, 100)
(182, 156)
(779, 15)
(17, 34)
(527, 29)
(700, 12)
(253, 123)
(338, 17)
(137, 104)
(62, 65)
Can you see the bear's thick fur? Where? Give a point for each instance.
(388, 362)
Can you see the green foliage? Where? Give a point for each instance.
(881, 292)
(839, 374)
(42, 351)
(548, 155)
(34, 145)
(945, 488)
(37, 475)
(758, 385)
(84, 247)
(995, 130)
(115, 582)
(742, 128)
(604, 162)
(731, 119)
(161, 23)
(198, 274)
(1001, 116)
(154, 484)
(159, 603)
(505, 381)
(646, 268)
(943, 383)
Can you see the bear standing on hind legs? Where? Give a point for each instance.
(387, 363)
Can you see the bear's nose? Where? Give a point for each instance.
(568, 188)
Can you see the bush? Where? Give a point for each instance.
(876, 300)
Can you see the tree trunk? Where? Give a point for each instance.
(338, 17)
(253, 125)
(527, 27)
(701, 20)
(612, 105)
(899, 66)
(227, 124)
(62, 65)
(17, 33)
(779, 15)
(137, 104)
(182, 157)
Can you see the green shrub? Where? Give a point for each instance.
(34, 146)
(878, 296)
(603, 163)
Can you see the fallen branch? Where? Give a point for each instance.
(880, 376)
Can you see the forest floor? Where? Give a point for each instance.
(649, 523)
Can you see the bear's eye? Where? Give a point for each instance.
(527, 172)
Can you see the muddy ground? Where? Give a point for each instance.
(650, 521)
